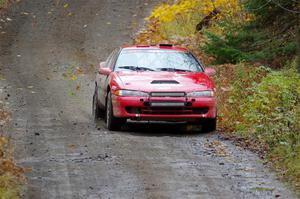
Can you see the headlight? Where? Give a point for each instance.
(201, 94)
(128, 93)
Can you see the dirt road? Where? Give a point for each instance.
(42, 43)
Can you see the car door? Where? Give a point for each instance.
(104, 79)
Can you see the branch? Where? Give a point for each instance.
(205, 22)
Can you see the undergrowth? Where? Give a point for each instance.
(271, 116)
(263, 107)
(3, 3)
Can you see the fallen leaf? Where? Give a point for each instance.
(66, 5)
(4, 140)
(71, 146)
(79, 70)
(74, 77)
(218, 148)
(28, 169)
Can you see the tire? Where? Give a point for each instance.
(96, 111)
(95, 107)
(209, 124)
(112, 123)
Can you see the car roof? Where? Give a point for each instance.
(156, 47)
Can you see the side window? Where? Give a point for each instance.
(113, 58)
(109, 57)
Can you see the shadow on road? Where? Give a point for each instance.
(158, 129)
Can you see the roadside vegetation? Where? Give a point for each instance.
(3, 3)
(11, 176)
(253, 46)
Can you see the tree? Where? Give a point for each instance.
(298, 43)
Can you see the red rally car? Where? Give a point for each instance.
(161, 82)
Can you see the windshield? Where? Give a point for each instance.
(157, 60)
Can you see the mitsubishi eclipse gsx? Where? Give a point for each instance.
(159, 83)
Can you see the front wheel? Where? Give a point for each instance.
(95, 107)
(112, 123)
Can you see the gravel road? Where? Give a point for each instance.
(42, 43)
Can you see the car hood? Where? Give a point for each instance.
(164, 81)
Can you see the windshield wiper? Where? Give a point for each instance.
(136, 68)
(173, 70)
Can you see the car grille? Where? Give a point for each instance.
(167, 94)
(167, 103)
(164, 82)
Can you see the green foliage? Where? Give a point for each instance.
(223, 49)
(248, 44)
(271, 117)
(234, 83)
(273, 105)
(3, 3)
(274, 12)
(269, 37)
(263, 107)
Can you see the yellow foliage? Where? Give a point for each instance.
(165, 13)
(176, 21)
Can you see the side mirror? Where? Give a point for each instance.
(210, 71)
(102, 64)
(105, 71)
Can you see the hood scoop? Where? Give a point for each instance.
(164, 82)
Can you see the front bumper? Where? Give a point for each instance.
(164, 108)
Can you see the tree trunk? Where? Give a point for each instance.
(298, 43)
(205, 22)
